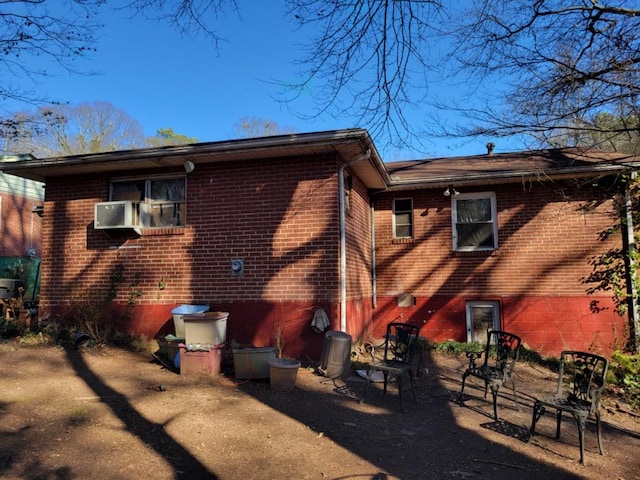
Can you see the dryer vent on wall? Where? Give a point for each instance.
(406, 300)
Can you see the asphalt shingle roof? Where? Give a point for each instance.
(549, 163)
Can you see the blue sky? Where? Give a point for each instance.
(163, 79)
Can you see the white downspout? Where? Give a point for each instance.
(343, 239)
(374, 282)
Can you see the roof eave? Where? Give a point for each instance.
(509, 177)
(345, 143)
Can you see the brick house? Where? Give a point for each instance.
(318, 220)
(505, 240)
(20, 231)
(20, 227)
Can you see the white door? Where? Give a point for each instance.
(481, 316)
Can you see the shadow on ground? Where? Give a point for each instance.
(81, 414)
(428, 441)
(152, 434)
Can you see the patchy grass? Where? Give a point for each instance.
(623, 377)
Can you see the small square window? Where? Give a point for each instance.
(482, 316)
(474, 222)
(402, 218)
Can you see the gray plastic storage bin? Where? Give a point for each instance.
(181, 311)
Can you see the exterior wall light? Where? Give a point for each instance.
(189, 166)
(38, 210)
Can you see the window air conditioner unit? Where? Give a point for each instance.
(114, 215)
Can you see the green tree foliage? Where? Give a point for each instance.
(613, 133)
(616, 270)
(166, 136)
(86, 128)
(624, 377)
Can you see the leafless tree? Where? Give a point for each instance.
(39, 38)
(548, 69)
(72, 130)
(251, 127)
(554, 68)
(369, 60)
(366, 60)
(17, 131)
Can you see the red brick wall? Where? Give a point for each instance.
(547, 236)
(358, 260)
(279, 216)
(20, 229)
(547, 324)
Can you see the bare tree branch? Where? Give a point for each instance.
(33, 37)
(370, 60)
(72, 130)
(558, 71)
(568, 64)
(189, 17)
(252, 127)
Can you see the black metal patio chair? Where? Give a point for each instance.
(399, 347)
(581, 381)
(500, 356)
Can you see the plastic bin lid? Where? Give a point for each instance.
(187, 309)
(173, 338)
(206, 316)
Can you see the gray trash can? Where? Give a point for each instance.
(336, 354)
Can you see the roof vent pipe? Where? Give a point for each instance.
(490, 147)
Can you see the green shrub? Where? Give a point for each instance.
(623, 377)
(10, 328)
(453, 347)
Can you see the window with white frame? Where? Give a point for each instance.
(402, 218)
(158, 201)
(474, 220)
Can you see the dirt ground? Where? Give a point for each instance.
(107, 413)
